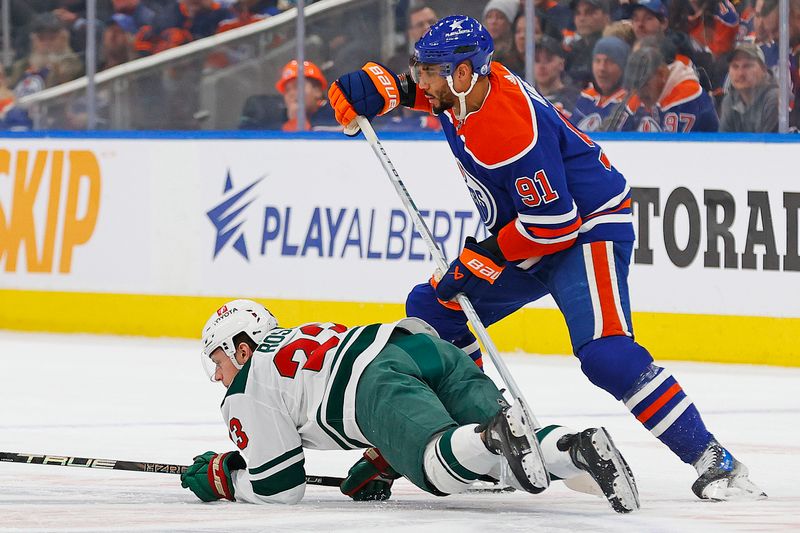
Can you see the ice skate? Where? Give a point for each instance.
(593, 451)
(723, 477)
(508, 434)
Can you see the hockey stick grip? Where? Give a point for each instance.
(131, 466)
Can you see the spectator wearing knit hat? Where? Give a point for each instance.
(498, 18)
(591, 18)
(602, 96)
(751, 103)
(667, 98)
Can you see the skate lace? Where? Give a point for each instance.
(715, 458)
(711, 458)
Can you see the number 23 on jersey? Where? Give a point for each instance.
(313, 350)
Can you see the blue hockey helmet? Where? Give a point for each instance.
(455, 39)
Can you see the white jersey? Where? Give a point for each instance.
(299, 390)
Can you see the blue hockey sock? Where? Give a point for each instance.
(660, 404)
(470, 345)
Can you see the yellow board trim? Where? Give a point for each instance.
(711, 338)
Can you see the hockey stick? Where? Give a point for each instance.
(131, 466)
(163, 468)
(542, 478)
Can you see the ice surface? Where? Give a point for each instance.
(149, 400)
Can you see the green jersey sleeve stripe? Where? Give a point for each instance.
(275, 462)
(336, 356)
(335, 405)
(288, 478)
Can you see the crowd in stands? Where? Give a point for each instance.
(609, 65)
(49, 37)
(652, 65)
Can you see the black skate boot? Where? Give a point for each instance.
(723, 477)
(508, 434)
(593, 450)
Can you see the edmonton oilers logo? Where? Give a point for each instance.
(590, 122)
(484, 201)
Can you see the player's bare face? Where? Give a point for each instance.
(225, 370)
(435, 87)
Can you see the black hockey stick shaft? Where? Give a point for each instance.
(131, 466)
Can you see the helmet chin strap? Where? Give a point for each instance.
(462, 97)
(232, 357)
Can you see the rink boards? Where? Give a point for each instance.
(146, 236)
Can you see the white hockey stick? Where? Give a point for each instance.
(541, 477)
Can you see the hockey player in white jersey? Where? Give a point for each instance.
(398, 388)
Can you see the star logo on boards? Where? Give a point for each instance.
(456, 25)
(225, 217)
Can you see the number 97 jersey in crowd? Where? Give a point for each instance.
(298, 390)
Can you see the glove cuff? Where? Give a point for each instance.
(219, 478)
(374, 457)
(386, 83)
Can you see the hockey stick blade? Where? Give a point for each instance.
(130, 466)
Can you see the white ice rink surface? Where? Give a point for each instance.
(149, 400)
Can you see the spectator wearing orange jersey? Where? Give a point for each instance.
(6, 94)
(130, 15)
(668, 97)
(712, 24)
(650, 20)
(179, 23)
(245, 13)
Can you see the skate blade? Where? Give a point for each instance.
(584, 483)
(625, 497)
(736, 489)
(487, 487)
